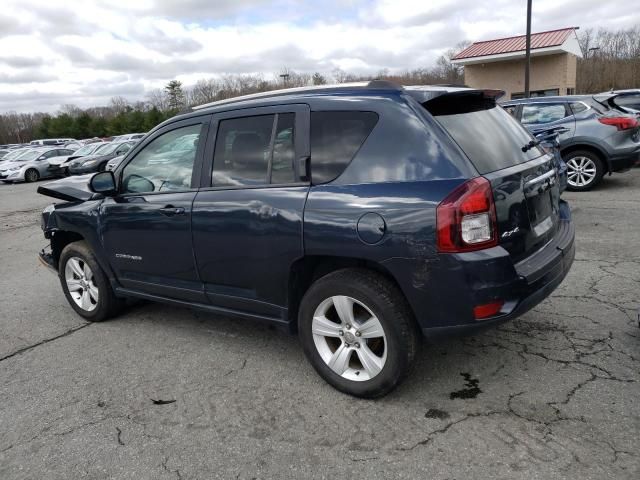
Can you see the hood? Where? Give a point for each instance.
(99, 158)
(116, 160)
(9, 165)
(72, 189)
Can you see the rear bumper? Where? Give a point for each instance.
(57, 171)
(620, 162)
(534, 294)
(444, 291)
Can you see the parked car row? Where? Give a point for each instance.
(40, 160)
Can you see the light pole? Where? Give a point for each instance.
(285, 78)
(527, 61)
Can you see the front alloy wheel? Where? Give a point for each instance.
(349, 338)
(81, 284)
(85, 284)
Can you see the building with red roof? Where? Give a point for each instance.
(499, 63)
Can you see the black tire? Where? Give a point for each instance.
(31, 175)
(108, 304)
(390, 307)
(590, 156)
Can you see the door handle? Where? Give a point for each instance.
(170, 210)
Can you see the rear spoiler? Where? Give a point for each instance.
(426, 94)
(607, 98)
(451, 102)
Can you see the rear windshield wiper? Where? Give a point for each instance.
(530, 145)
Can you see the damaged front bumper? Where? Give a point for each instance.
(46, 258)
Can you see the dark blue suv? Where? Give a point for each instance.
(361, 216)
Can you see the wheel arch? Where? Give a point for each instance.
(601, 154)
(59, 240)
(306, 270)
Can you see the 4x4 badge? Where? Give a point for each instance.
(510, 233)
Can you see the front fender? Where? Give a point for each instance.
(72, 221)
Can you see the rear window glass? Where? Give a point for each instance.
(335, 139)
(629, 101)
(492, 139)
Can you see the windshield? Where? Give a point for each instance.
(29, 155)
(86, 150)
(492, 139)
(107, 148)
(15, 154)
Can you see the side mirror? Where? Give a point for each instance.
(104, 183)
(41, 157)
(137, 184)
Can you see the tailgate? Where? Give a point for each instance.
(527, 200)
(523, 177)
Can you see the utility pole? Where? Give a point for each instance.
(527, 61)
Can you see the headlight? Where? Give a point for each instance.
(88, 163)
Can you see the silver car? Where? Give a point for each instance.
(30, 166)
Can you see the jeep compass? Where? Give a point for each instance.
(360, 216)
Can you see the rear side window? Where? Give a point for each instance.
(536, 114)
(335, 139)
(242, 149)
(578, 107)
(253, 151)
(492, 139)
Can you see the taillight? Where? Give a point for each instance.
(466, 218)
(621, 123)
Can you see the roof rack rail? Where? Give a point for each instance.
(380, 84)
(375, 83)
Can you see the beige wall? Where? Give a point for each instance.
(547, 72)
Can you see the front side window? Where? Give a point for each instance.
(257, 150)
(165, 164)
(544, 113)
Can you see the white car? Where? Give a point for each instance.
(30, 166)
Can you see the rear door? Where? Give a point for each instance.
(248, 214)
(542, 116)
(523, 177)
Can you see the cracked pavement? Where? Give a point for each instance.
(554, 394)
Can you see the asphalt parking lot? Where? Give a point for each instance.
(555, 394)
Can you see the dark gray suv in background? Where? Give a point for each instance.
(599, 138)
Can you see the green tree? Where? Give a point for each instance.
(152, 118)
(82, 126)
(318, 79)
(175, 95)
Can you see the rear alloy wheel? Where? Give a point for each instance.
(31, 175)
(358, 332)
(584, 171)
(349, 338)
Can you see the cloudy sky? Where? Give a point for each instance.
(84, 52)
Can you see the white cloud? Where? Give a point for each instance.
(56, 52)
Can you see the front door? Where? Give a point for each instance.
(248, 215)
(147, 227)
